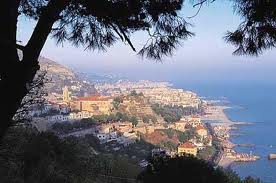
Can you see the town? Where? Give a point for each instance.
(123, 114)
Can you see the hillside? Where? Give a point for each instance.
(60, 76)
(136, 105)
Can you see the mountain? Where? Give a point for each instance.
(60, 76)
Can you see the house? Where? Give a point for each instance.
(94, 104)
(140, 129)
(209, 140)
(125, 141)
(130, 135)
(58, 118)
(180, 125)
(201, 131)
(103, 137)
(194, 121)
(79, 115)
(187, 148)
(105, 128)
(123, 126)
(150, 129)
(198, 144)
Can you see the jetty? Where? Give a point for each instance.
(245, 145)
(243, 157)
(272, 156)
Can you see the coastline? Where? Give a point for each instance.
(217, 117)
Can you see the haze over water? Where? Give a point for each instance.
(251, 102)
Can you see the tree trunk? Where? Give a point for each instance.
(9, 62)
(15, 74)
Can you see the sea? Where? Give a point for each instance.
(250, 102)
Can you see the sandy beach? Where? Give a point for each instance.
(216, 114)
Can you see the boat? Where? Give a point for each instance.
(272, 156)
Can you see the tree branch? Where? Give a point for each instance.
(127, 39)
(20, 47)
(200, 4)
(43, 28)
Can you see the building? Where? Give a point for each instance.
(79, 115)
(125, 141)
(66, 94)
(187, 148)
(201, 131)
(194, 121)
(94, 104)
(180, 125)
(58, 118)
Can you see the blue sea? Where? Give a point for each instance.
(251, 102)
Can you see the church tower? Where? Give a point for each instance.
(66, 94)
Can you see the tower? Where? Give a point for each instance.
(66, 94)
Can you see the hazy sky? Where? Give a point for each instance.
(203, 57)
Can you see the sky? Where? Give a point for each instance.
(206, 57)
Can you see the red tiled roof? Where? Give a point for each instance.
(200, 127)
(93, 98)
(187, 145)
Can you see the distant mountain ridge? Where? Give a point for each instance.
(61, 76)
(53, 67)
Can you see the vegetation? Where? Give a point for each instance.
(51, 112)
(187, 135)
(188, 169)
(133, 93)
(170, 132)
(207, 153)
(168, 145)
(166, 112)
(182, 136)
(30, 156)
(137, 151)
(134, 120)
(116, 102)
(173, 113)
(66, 127)
(149, 118)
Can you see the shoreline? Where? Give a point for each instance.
(217, 117)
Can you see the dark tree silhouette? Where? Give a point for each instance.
(257, 32)
(188, 169)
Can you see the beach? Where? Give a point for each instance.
(216, 114)
(222, 125)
